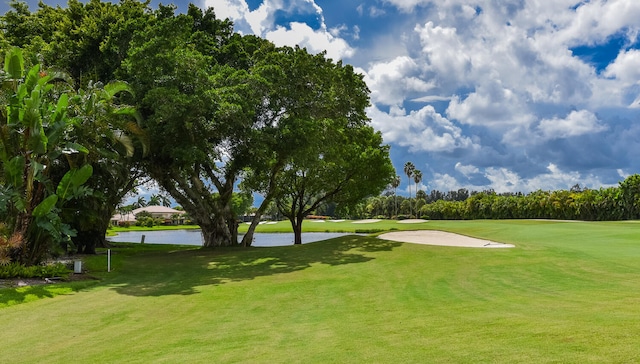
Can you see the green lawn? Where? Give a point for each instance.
(568, 293)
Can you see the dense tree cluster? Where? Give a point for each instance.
(211, 110)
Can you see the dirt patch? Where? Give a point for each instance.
(23, 282)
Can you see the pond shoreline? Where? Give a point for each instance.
(193, 237)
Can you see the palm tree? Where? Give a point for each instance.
(409, 168)
(395, 183)
(417, 178)
(154, 200)
(165, 200)
(140, 202)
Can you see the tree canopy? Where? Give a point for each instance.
(215, 111)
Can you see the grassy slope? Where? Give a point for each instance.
(567, 293)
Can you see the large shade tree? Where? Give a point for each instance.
(323, 149)
(344, 168)
(199, 112)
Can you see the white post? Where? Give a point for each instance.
(108, 260)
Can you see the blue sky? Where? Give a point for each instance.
(514, 95)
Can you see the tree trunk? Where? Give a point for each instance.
(296, 224)
(232, 224)
(21, 229)
(88, 239)
(247, 239)
(217, 233)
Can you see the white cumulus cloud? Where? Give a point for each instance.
(262, 22)
(315, 41)
(420, 130)
(576, 123)
(391, 81)
(466, 170)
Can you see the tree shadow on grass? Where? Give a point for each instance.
(10, 296)
(180, 272)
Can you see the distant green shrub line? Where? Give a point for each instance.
(604, 204)
(369, 231)
(16, 270)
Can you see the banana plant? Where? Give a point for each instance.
(34, 136)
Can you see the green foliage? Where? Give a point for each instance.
(89, 40)
(144, 218)
(318, 145)
(577, 203)
(613, 203)
(17, 270)
(241, 202)
(35, 140)
(142, 214)
(368, 231)
(193, 112)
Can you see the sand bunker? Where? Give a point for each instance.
(369, 221)
(412, 221)
(431, 237)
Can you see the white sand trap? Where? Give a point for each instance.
(340, 220)
(431, 237)
(368, 221)
(412, 221)
(315, 220)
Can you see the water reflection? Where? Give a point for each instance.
(194, 237)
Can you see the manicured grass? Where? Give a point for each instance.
(568, 293)
(116, 229)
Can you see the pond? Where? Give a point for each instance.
(194, 237)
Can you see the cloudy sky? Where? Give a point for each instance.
(514, 95)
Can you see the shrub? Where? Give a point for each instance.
(16, 270)
(369, 231)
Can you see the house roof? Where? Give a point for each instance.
(157, 210)
(131, 216)
(124, 217)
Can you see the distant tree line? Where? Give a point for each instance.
(612, 203)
